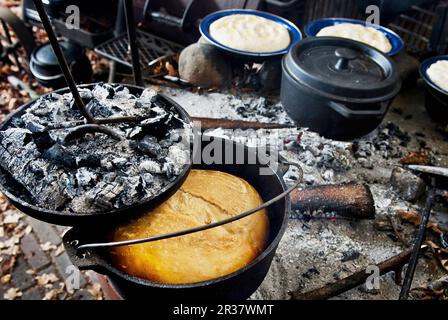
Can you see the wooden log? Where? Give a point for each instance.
(349, 200)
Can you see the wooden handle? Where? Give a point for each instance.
(350, 200)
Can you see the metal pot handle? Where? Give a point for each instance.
(84, 260)
(348, 113)
(82, 248)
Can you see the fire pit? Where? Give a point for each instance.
(70, 172)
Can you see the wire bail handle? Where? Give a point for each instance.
(80, 249)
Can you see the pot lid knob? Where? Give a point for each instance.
(345, 55)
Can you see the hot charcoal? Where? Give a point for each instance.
(93, 171)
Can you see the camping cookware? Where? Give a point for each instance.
(436, 98)
(15, 193)
(338, 87)
(242, 283)
(45, 67)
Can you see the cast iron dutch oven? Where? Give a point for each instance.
(45, 67)
(337, 87)
(238, 285)
(436, 99)
(18, 196)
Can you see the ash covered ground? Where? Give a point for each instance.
(316, 250)
(94, 172)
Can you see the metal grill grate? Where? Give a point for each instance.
(151, 47)
(416, 27)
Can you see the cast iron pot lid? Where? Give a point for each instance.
(343, 69)
(45, 59)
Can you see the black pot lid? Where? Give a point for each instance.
(44, 55)
(342, 69)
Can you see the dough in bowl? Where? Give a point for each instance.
(205, 197)
(248, 32)
(438, 73)
(360, 33)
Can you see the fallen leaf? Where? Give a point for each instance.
(12, 294)
(48, 246)
(8, 264)
(440, 253)
(46, 278)
(414, 218)
(437, 290)
(12, 217)
(95, 290)
(421, 158)
(5, 279)
(51, 295)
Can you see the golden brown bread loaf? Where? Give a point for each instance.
(205, 197)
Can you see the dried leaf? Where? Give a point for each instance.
(171, 70)
(414, 218)
(12, 217)
(5, 279)
(51, 295)
(440, 253)
(95, 290)
(8, 264)
(435, 291)
(12, 294)
(421, 158)
(46, 278)
(48, 246)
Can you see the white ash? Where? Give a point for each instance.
(94, 172)
(229, 105)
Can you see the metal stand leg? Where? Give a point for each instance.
(133, 42)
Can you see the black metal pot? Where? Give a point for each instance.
(339, 88)
(45, 68)
(436, 99)
(19, 198)
(238, 285)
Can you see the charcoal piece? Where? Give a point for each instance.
(103, 91)
(43, 140)
(168, 169)
(133, 190)
(33, 124)
(104, 195)
(88, 160)
(150, 166)
(98, 110)
(135, 133)
(58, 155)
(85, 177)
(149, 145)
(148, 96)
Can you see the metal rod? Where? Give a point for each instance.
(133, 42)
(62, 62)
(200, 228)
(417, 245)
